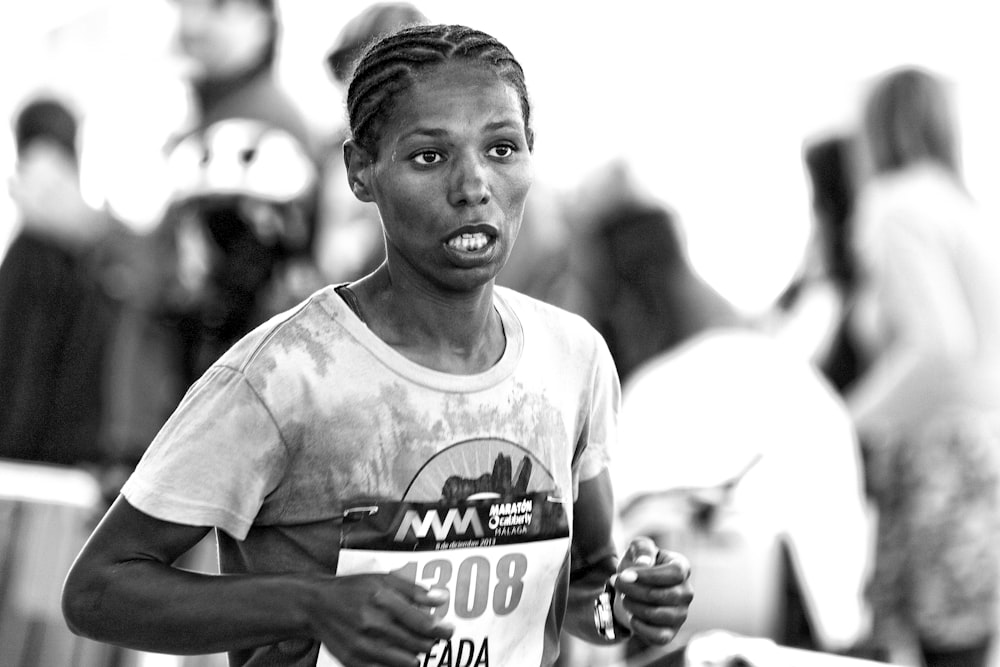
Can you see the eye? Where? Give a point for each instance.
(427, 157)
(502, 151)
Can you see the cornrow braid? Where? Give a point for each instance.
(391, 63)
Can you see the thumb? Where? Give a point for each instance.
(641, 551)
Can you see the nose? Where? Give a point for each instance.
(469, 182)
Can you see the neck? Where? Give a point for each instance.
(459, 334)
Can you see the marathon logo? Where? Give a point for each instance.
(509, 515)
(455, 524)
(458, 653)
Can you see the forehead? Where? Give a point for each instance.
(456, 92)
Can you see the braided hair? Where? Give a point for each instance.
(390, 65)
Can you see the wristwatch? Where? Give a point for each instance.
(604, 617)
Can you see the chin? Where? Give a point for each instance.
(468, 280)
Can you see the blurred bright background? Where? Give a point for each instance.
(708, 101)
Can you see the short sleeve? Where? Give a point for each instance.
(600, 433)
(215, 460)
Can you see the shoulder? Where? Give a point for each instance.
(917, 197)
(535, 312)
(287, 333)
(553, 329)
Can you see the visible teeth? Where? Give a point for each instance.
(469, 242)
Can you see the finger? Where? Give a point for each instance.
(390, 651)
(381, 637)
(420, 596)
(679, 560)
(410, 624)
(655, 634)
(663, 608)
(409, 603)
(672, 572)
(669, 596)
(642, 551)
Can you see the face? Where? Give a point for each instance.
(222, 37)
(450, 177)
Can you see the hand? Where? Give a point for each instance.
(653, 591)
(379, 619)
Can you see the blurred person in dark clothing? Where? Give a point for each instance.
(231, 49)
(825, 286)
(227, 251)
(55, 318)
(231, 250)
(238, 223)
(607, 282)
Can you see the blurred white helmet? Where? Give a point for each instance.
(241, 157)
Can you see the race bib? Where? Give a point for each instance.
(497, 557)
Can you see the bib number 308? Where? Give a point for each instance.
(476, 583)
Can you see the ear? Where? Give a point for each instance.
(358, 163)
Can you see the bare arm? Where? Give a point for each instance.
(654, 582)
(124, 590)
(594, 557)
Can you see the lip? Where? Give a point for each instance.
(481, 257)
(479, 228)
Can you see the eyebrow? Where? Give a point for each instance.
(438, 132)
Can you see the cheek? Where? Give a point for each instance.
(396, 196)
(409, 210)
(516, 187)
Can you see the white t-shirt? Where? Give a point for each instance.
(928, 310)
(312, 414)
(733, 402)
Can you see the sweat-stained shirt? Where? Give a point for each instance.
(311, 415)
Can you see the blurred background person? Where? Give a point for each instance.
(814, 311)
(625, 314)
(55, 317)
(234, 239)
(349, 240)
(228, 254)
(928, 407)
(732, 448)
(239, 218)
(230, 48)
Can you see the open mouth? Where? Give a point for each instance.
(469, 242)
